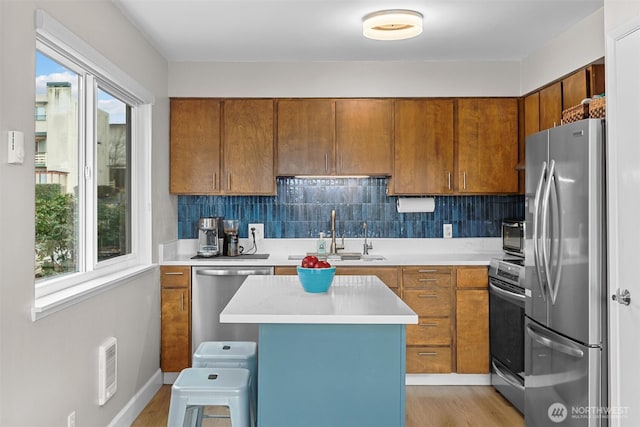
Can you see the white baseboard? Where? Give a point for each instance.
(448, 379)
(134, 407)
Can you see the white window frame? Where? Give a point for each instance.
(93, 277)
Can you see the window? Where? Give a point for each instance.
(92, 143)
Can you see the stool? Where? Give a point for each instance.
(198, 387)
(230, 354)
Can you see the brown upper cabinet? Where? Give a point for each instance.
(195, 146)
(248, 128)
(487, 145)
(532, 114)
(335, 137)
(364, 136)
(565, 93)
(222, 146)
(306, 136)
(424, 147)
(551, 106)
(582, 84)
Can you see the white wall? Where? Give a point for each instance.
(618, 12)
(580, 45)
(343, 79)
(48, 368)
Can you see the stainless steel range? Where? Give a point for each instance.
(506, 328)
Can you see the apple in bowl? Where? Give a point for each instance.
(315, 275)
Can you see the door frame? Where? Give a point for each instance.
(616, 203)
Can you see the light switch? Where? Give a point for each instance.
(16, 147)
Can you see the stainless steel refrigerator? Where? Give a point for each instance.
(565, 276)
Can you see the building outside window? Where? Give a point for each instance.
(92, 166)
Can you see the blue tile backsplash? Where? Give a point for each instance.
(302, 209)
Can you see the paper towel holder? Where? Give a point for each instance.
(415, 204)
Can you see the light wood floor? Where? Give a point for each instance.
(437, 406)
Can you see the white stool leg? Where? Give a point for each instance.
(177, 412)
(239, 411)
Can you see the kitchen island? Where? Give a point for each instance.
(333, 359)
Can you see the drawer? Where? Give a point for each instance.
(428, 360)
(434, 302)
(429, 331)
(389, 275)
(175, 276)
(416, 277)
(472, 277)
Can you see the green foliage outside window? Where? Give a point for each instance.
(55, 242)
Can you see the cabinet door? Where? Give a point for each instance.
(364, 136)
(249, 147)
(472, 331)
(550, 106)
(423, 146)
(175, 349)
(195, 146)
(584, 83)
(487, 145)
(306, 137)
(575, 88)
(472, 277)
(532, 114)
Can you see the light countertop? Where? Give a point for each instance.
(396, 252)
(350, 300)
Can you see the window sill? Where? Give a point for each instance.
(65, 298)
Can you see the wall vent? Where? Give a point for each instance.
(107, 370)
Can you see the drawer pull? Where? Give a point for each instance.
(427, 353)
(427, 271)
(173, 273)
(427, 296)
(427, 280)
(428, 324)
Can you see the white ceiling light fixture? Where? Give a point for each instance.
(395, 24)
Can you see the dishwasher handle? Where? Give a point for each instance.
(249, 271)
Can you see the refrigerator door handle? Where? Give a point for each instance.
(536, 221)
(559, 238)
(540, 337)
(552, 278)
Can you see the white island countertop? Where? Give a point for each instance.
(350, 300)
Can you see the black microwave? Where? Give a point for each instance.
(513, 236)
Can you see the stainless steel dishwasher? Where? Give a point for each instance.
(211, 290)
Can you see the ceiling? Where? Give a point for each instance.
(331, 30)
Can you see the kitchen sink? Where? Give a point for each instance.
(341, 256)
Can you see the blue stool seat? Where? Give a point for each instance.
(230, 354)
(196, 388)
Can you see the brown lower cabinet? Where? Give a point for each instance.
(427, 290)
(452, 303)
(472, 320)
(175, 318)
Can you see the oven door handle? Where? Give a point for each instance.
(516, 298)
(508, 377)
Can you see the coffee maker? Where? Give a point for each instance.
(208, 236)
(230, 246)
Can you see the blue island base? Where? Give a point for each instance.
(331, 375)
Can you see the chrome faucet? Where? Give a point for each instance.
(334, 246)
(366, 246)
